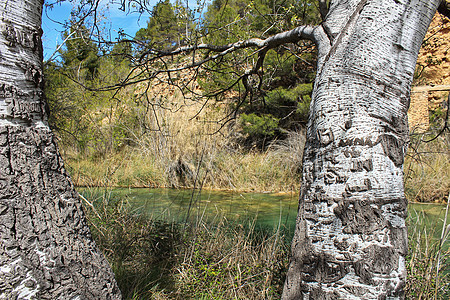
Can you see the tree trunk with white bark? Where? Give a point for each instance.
(46, 249)
(351, 240)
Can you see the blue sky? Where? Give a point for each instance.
(115, 19)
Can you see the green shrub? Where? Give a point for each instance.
(259, 126)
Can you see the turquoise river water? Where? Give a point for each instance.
(267, 210)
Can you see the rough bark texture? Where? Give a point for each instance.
(46, 249)
(351, 240)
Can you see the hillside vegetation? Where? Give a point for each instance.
(195, 128)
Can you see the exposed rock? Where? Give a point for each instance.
(433, 68)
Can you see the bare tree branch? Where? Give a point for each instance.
(323, 9)
(59, 48)
(261, 45)
(291, 36)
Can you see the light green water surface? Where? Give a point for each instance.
(260, 209)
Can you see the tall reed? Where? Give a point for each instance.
(429, 257)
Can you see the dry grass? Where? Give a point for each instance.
(243, 171)
(173, 140)
(129, 168)
(427, 169)
(183, 152)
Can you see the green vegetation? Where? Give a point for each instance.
(153, 135)
(428, 257)
(88, 122)
(156, 258)
(165, 29)
(269, 106)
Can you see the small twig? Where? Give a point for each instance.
(90, 205)
(445, 123)
(58, 48)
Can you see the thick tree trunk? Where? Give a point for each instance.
(46, 249)
(351, 240)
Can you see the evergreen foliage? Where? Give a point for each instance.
(282, 90)
(166, 28)
(122, 49)
(91, 121)
(80, 53)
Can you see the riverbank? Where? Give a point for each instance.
(254, 171)
(426, 167)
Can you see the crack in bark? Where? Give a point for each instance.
(394, 148)
(335, 42)
(444, 8)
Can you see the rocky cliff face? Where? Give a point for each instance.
(433, 64)
(433, 68)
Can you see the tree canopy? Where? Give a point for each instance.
(266, 104)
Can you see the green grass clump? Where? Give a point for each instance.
(428, 260)
(233, 262)
(141, 251)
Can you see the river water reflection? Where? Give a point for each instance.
(268, 210)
